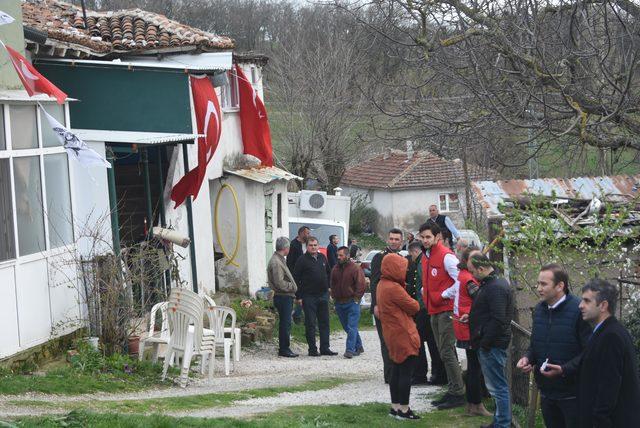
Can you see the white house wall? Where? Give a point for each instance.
(406, 209)
(40, 293)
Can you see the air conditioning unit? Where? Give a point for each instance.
(312, 201)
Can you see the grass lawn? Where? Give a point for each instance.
(71, 382)
(370, 415)
(182, 403)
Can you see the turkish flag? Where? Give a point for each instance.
(209, 122)
(256, 135)
(34, 82)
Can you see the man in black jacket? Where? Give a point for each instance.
(312, 277)
(296, 250)
(608, 385)
(394, 243)
(558, 337)
(490, 326)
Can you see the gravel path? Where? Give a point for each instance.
(259, 367)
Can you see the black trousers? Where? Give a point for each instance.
(473, 380)
(438, 372)
(316, 314)
(559, 413)
(386, 361)
(400, 381)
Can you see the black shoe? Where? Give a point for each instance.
(349, 354)
(314, 354)
(287, 354)
(441, 400)
(409, 415)
(359, 350)
(392, 413)
(452, 402)
(419, 381)
(491, 425)
(328, 352)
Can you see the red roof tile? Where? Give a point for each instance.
(123, 31)
(423, 170)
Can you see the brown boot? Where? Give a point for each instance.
(479, 410)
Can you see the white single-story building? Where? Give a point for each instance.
(401, 185)
(135, 108)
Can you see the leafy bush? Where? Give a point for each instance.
(91, 361)
(362, 214)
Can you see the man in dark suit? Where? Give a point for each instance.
(609, 389)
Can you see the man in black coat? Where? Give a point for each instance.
(394, 243)
(609, 389)
(296, 249)
(332, 251)
(558, 337)
(490, 329)
(312, 277)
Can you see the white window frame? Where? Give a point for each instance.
(226, 93)
(448, 202)
(40, 152)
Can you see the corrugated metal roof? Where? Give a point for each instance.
(264, 174)
(490, 194)
(133, 137)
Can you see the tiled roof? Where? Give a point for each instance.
(115, 32)
(395, 171)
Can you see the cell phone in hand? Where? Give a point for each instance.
(543, 367)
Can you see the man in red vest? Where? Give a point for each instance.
(439, 286)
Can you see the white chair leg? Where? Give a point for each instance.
(211, 366)
(141, 351)
(237, 344)
(186, 363)
(227, 356)
(167, 360)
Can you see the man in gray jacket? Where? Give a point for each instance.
(282, 283)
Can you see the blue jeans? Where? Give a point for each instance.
(349, 314)
(283, 304)
(493, 363)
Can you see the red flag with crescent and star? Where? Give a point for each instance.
(209, 122)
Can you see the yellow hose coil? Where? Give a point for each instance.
(230, 259)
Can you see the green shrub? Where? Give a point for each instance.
(632, 322)
(361, 215)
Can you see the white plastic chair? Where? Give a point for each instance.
(156, 338)
(218, 316)
(236, 333)
(185, 315)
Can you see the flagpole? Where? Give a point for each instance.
(192, 247)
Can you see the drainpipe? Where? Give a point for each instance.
(113, 203)
(147, 191)
(192, 247)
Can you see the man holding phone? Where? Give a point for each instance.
(558, 337)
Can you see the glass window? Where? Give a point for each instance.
(59, 218)
(7, 245)
(230, 92)
(49, 138)
(3, 143)
(454, 202)
(28, 191)
(449, 202)
(24, 132)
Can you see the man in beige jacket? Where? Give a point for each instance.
(282, 283)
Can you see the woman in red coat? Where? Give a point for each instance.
(461, 307)
(395, 311)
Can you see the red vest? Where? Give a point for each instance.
(464, 305)
(435, 280)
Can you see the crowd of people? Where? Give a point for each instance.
(448, 294)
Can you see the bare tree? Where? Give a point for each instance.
(315, 100)
(513, 77)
